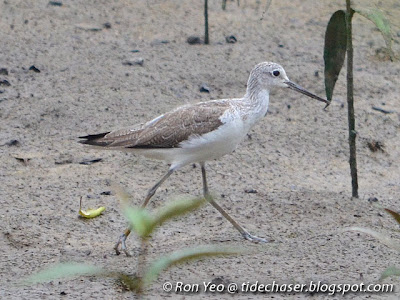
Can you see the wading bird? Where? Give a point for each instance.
(199, 133)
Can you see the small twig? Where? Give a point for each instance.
(382, 110)
(266, 9)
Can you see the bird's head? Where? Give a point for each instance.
(268, 75)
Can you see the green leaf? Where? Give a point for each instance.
(382, 23)
(334, 50)
(391, 271)
(394, 214)
(384, 239)
(183, 256)
(64, 270)
(140, 220)
(144, 224)
(175, 209)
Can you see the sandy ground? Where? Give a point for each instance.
(296, 158)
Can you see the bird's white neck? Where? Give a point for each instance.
(258, 98)
(257, 102)
(255, 93)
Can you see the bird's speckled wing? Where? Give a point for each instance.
(168, 130)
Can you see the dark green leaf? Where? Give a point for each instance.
(394, 214)
(382, 23)
(64, 270)
(334, 50)
(184, 256)
(391, 271)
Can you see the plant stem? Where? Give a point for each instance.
(141, 263)
(350, 102)
(206, 38)
(223, 4)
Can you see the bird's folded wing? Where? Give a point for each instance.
(168, 130)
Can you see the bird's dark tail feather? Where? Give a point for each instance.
(94, 139)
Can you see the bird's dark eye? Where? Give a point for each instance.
(276, 73)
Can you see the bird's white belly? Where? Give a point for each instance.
(209, 146)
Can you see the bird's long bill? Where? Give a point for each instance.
(299, 89)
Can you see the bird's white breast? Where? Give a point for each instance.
(237, 121)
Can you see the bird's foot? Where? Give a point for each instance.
(122, 242)
(253, 238)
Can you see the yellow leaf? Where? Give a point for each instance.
(90, 213)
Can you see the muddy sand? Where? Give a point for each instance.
(106, 65)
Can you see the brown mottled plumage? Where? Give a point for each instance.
(165, 131)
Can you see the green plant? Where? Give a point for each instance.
(144, 224)
(224, 4)
(338, 42)
(386, 240)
